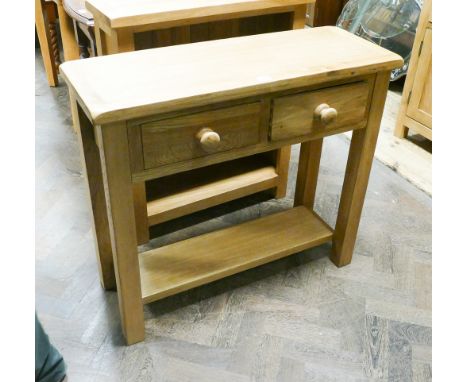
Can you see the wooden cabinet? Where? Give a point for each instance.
(416, 104)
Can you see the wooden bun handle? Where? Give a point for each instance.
(209, 140)
(325, 114)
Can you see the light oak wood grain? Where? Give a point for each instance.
(300, 15)
(71, 50)
(420, 104)
(318, 313)
(282, 168)
(155, 37)
(416, 102)
(178, 83)
(74, 110)
(307, 173)
(425, 131)
(225, 23)
(115, 164)
(170, 141)
(201, 189)
(189, 263)
(214, 158)
(141, 217)
(116, 42)
(294, 115)
(356, 179)
(122, 14)
(43, 34)
(91, 165)
(176, 139)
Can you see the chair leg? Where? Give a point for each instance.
(45, 41)
(52, 17)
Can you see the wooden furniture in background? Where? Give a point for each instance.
(46, 16)
(325, 12)
(67, 33)
(139, 99)
(416, 103)
(83, 24)
(122, 26)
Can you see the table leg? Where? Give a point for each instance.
(283, 156)
(401, 131)
(299, 18)
(115, 162)
(141, 212)
(100, 36)
(93, 176)
(118, 42)
(307, 173)
(361, 154)
(74, 112)
(71, 51)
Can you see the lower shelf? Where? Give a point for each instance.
(184, 265)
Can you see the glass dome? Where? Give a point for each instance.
(388, 23)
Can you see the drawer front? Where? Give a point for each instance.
(320, 111)
(196, 135)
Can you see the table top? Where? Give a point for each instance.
(124, 13)
(137, 84)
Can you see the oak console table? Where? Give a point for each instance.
(149, 114)
(124, 26)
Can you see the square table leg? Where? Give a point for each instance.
(119, 42)
(71, 50)
(93, 175)
(299, 16)
(307, 173)
(361, 154)
(115, 163)
(283, 155)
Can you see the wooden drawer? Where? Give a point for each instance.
(178, 139)
(298, 115)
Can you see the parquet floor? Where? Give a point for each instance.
(298, 319)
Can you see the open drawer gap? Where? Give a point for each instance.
(177, 195)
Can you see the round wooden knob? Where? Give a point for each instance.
(325, 114)
(209, 139)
